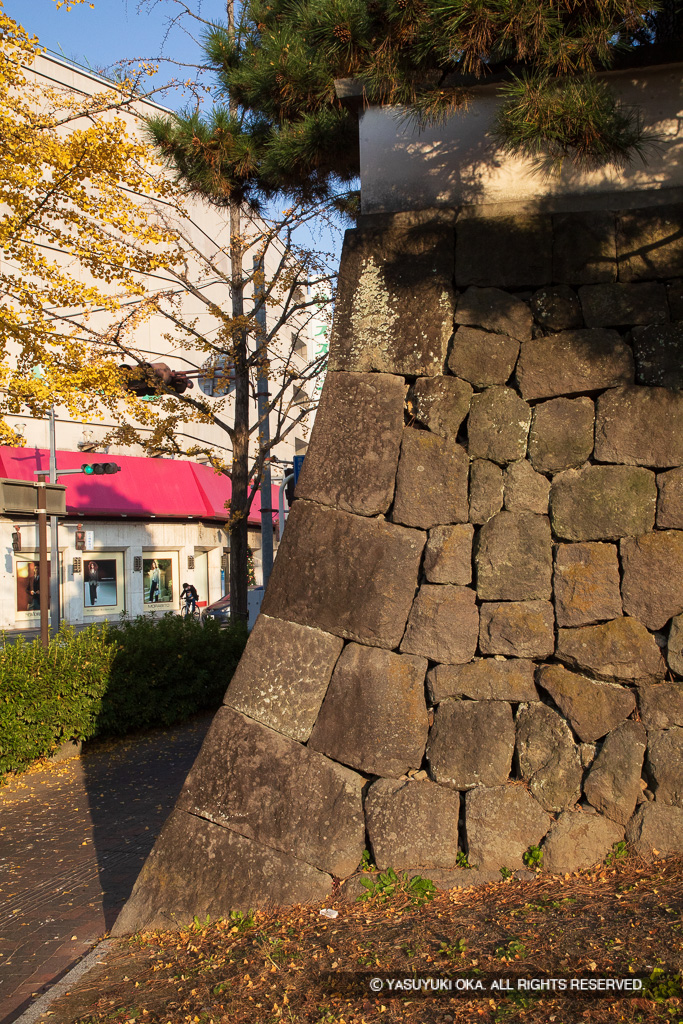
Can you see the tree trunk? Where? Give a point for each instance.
(238, 522)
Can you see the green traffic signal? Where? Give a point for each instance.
(98, 468)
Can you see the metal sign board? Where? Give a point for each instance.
(22, 496)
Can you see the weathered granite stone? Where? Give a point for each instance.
(649, 243)
(352, 460)
(486, 490)
(277, 792)
(665, 764)
(561, 434)
(548, 758)
(471, 743)
(640, 426)
(448, 555)
(440, 404)
(613, 782)
(593, 709)
(394, 307)
(658, 350)
(602, 502)
(525, 489)
(501, 824)
(520, 629)
(670, 500)
(374, 716)
(283, 675)
(484, 679)
(510, 252)
(513, 558)
(199, 868)
(674, 292)
(557, 308)
(412, 824)
(620, 305)
(584, 247)
(481, 357)
(578, 841)
(674, 653)
(319, 579)
(495, 310)
(573, 361)
(655, 830)
(618, 650)
(431, 485)
(652, 571)
(661, 704)
(586, 583)
(498, 425)
(443, 624)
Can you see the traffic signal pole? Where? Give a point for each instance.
(42, 562)
(54, 536)
(263, 398)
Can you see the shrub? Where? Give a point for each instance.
(110, 680)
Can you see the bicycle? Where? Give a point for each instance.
(187, 612)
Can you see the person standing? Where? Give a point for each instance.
(155, 581)
(93, 581)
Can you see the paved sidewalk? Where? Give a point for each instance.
(73, 837)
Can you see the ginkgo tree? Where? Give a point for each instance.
(89, 218)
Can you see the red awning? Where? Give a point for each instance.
(164, 488)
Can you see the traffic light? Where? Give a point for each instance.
(290, 487)
(80, 538)
(98, 468)
(144, 379)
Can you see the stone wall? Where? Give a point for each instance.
(473, 635)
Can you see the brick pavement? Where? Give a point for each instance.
(73, 837)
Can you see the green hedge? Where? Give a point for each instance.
(110, 680)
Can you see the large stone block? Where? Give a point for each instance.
(561, 434)
(283, 675)
(441, 404)
(621, 305)
(486, 490)
(352, 459)
(622, 649)
(665, 765)
(577, 841)
(557, 308)
(496, 311)
(498, 425)
(481, 357)
(655, 830)
(525, 489)
(613, 782)
(484, 679)
(548, 758)
(519, 629)
(511, 252)
(347, 575)
(277, 792)
(670, 500)
(394, 308)
(412, 824)
(198, 868)
(593, 709)
(602, 502)
(652, 571)
(661, 705)
(584, 247)
(649, 243)
(471, 743)
(586, 584)
(659, 355)
(513, 558)
(501, 824)
(640, 426)
(443, 624)
(573, 361)
(448, 555)
(431, 485)
(374, 716)
(674, 651)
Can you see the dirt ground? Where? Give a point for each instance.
(620, 922)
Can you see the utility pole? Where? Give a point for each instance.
(54, 536)
(42, 564)
(262, 397)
